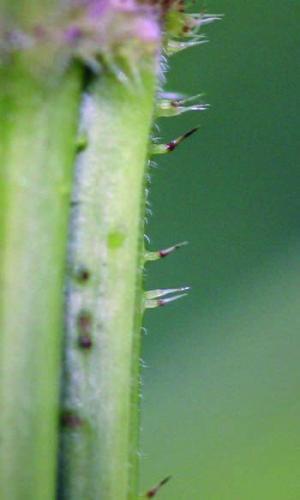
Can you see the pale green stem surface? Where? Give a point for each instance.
(38, 122)
(104, 294)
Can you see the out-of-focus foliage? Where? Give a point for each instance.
(221, 401)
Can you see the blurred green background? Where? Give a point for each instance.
(221, 399)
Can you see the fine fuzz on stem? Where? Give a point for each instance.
(104, 306)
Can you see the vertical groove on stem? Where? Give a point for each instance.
(38, 125)
(104, 293)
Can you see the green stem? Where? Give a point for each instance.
(104, 294)
(38, 123)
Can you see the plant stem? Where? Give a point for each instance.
(104, 293)
(38, 123)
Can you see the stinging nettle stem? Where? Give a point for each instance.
(85, 444)
(104, 294)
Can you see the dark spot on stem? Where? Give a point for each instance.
(83, 274)
(85, 341)
(84, 322)
(70, 420)
(74, 203)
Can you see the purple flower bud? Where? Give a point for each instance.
(73, 34)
